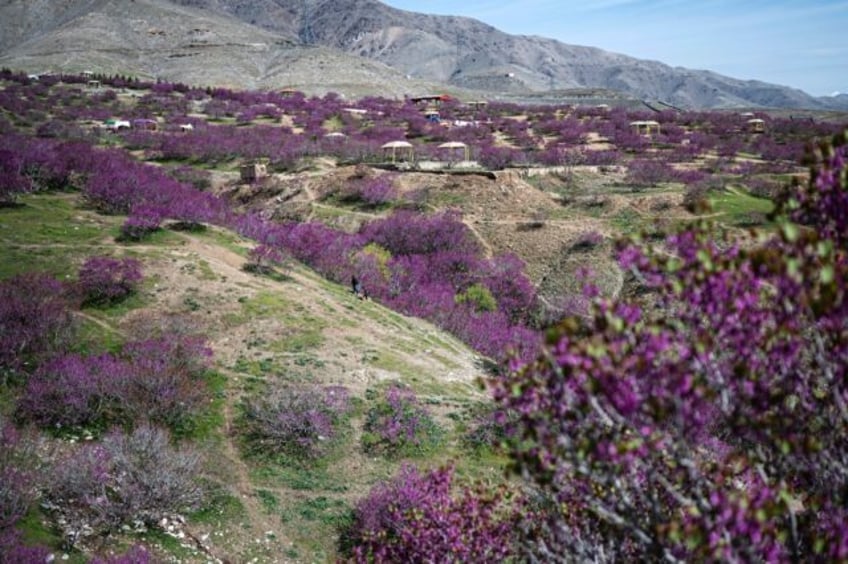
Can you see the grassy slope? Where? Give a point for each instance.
(265, 332)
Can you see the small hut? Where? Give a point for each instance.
(404, 147)
(145, 124)
(253, 171)
(646, 127)
(94, 84)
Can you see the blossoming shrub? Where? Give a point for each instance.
(107, 280)
(35, 321)
(424, 518)
(160, 380)
(302, 423)
(711, 425)
(123, 480)
(397, 425)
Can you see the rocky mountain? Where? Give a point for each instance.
(349, 46)
(158, 39)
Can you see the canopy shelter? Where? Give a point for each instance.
(756, 125)
(404, 147)
(432, 99)
(335, 135)
(456, 145)
(647, 127)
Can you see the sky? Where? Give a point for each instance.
(797, 43)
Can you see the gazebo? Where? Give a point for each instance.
(756, 125)
(456, 145)
(646, 127)
(405, 146)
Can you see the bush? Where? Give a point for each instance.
(586, 241)
(142, 221)
(126, 480)
(159, 380)
(696, 198)
(18, 473)
(263, 258)
(418, 518)
(487, 427)
(106, 280)
(479, 297)
(301, 423)
(398, 425)
(14, 550)
(708, 422)
(34, 320)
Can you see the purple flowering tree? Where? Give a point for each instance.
(107, 280)
(423, 518)
(298, 422)
(397, 424)
(712, 424)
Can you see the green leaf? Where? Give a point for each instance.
(791, 232)
(827, 274)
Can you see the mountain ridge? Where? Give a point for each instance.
(367, 48)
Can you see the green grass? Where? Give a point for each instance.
(299, 339)
(317, 476)
(736, 206)
(51, 233)
(36, 533)
(221, 507)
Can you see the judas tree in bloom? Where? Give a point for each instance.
(708, 422)
(35, 321)
(106, 280)
(420, 518)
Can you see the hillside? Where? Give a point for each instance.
(354, 47)
(265, 332)
(494, 245)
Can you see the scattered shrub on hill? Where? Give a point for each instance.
(420, 518)
(398, 425)
(129, 480)
(107, 280)
(586, 241)
(199, 178)
(486, 428)
(19, 466)
(262, 259)
(299, 422)
(34, 320)
(142, 221)
(763, 187)
(13, 548)
(160, 380)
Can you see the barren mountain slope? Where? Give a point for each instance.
(155, 39)
(469, 53)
